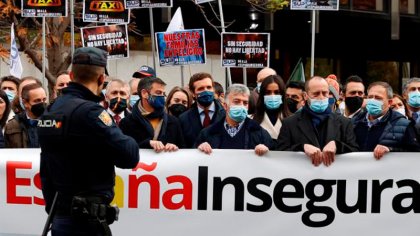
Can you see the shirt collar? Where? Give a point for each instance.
(212, 108)
(373, 122)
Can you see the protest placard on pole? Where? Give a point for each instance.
(182, 47)
(105, 11)
(248, 50)
(111, 38)
(44, 8)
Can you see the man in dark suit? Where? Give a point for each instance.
(205, 111)
(315, 129)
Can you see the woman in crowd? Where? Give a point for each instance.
(4, 114)
(178, 101)
(399, 104)
(270, 108)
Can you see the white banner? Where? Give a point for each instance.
(234, 192)
(15, 63)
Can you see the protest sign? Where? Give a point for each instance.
(147, 3)
(331, 5)
(111, 38)
(182, 47)
(105, 11)
(245, 50)
(44, 8)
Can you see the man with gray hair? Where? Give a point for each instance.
(236, 131)
(380, 129)
(117, 96)
(412, 96)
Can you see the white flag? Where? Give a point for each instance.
(15, 63)
(177, 23)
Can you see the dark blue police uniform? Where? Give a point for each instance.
(80, 147)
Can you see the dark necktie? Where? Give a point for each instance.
(117, 119)
(206, 121)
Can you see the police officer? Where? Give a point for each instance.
(74, 127)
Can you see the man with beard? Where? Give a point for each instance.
(148, 122)
(354, 92)
(294, 95)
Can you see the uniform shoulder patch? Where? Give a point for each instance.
(105, 118)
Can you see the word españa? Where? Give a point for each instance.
(44, 3)
(270, 194)
(106, 6)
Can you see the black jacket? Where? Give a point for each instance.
(80, 145)
(191, 123)
(254, 135)
(298, 130)
(138, 127)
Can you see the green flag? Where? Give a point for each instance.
(298, 73)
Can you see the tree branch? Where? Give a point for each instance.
(23, 41)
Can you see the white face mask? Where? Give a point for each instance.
(400, 110)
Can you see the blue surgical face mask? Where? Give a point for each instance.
(414, 99)
(238, 113)
(331, 101)
(10, 95)
(318, 105)
(272, 102)
(134, 99)
(205, 98)
(374, 107)
(157, 102)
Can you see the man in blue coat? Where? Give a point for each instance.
(236, 131)
(380, 129)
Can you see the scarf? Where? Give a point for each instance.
(317, 118)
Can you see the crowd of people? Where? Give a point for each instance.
(321, 117)
(115, 118)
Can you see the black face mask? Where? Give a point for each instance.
(177, 109)
(353, 103)
(38, 109)
(292, 104)
(117, 105)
